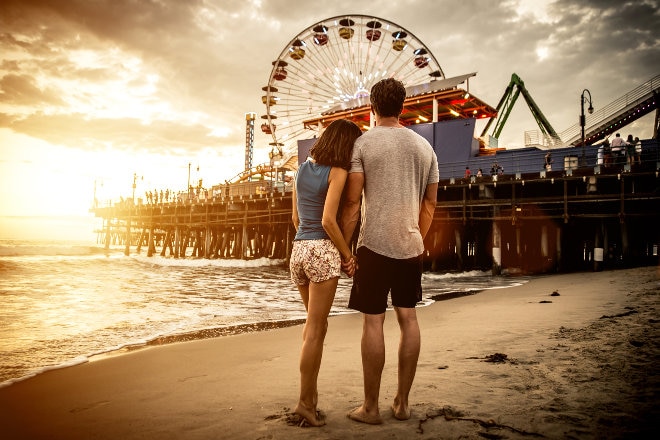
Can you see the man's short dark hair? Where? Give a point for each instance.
(387, 97)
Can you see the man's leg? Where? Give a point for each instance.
(409, 346)
(373, 361)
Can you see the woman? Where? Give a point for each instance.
(630, 150)
(319, 249)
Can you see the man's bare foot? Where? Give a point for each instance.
(360, 415)
(311, 416)
(400, 413)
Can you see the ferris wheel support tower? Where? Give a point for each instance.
(249, 139)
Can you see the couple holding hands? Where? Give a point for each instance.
(388, 179)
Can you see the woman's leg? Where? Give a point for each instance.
(318, 298)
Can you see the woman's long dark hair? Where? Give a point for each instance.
(335, 146)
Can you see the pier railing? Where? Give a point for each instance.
(624, 109)
(532, 160)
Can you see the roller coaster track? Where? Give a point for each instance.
(617, 114)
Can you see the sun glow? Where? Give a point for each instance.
(542, 53)
(45, 179)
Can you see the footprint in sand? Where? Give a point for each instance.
(90, 406)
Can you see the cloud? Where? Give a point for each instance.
(165, 74)
(22, 90)
(74, 130)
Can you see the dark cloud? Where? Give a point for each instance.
(159, 137)
(22, 90)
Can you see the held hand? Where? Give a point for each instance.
(349, 266)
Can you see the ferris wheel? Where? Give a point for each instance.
(335, 62)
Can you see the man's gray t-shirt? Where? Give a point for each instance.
(397, 164)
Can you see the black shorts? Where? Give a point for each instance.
(377, 275)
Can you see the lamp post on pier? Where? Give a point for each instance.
(583, 159)
(135, 177)
(134, 185)
(188, 187)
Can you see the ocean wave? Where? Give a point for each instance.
(97, 303)
(204, 262)
(49, 250)
(451, 275)
(70, 363)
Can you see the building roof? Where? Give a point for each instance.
(453, 102)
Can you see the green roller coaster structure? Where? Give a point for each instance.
(505, 106)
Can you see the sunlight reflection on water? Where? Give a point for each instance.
(58, 309)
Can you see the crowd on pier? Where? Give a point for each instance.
(620, 151)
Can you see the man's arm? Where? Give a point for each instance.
(428, 208)
(351, 211)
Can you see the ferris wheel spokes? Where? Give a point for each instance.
(335, 61)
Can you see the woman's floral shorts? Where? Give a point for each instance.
(315, 261)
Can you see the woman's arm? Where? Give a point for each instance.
(336, 182)
(294, 204)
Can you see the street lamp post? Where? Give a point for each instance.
(188, 187)
(583, 160)
(127, 248)
(134, 186)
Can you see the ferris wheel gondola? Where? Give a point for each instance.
(334, 62)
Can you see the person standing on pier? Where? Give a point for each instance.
(395, 220)
(618, 152)
(630, 150)
(319, 250)
(547, 161)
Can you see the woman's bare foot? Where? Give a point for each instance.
(360, 415)
(311, 416)
(400, 411)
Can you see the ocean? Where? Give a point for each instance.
(63, 303)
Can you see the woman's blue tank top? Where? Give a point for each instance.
(311, 191)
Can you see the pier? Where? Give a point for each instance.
(245, 224)
(574, 218)
(565, 202)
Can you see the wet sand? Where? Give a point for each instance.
(563, 356)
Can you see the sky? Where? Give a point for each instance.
(98, 94)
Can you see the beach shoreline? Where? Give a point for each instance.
(514, 363)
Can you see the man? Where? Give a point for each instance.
(618, 145)
(547, 161)
(395, 172)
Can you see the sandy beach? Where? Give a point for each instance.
(563, 356)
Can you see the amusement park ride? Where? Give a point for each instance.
(504, 107)
(326, 71)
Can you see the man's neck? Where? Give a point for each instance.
(390, 121)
